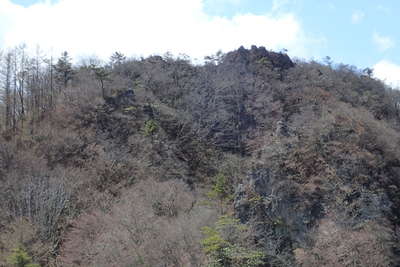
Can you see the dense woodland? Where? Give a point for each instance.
(248, 159)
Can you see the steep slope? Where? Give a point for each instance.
(248, 160)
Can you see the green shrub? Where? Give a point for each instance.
(226, 245)
(19, 258)
(150, 127)
(222, 188)
(131, 108)
(265, 62)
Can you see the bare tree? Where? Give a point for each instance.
(7, 90)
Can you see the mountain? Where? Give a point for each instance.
(250, 159)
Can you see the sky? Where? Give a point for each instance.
(363, 33)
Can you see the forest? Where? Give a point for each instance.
(249, 158)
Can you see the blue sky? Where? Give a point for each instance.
(25, 3)
(347, 27)
(363, 33)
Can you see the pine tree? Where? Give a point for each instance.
(117, 59)
(102, 75)
(63, 70)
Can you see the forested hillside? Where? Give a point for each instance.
(249, 159)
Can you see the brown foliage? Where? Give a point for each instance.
(22, 233)
(153, 223)
(336, 246)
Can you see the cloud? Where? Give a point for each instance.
(383, 42)
(357, 16)
(388, 72)
(141, 28)
(225, 2)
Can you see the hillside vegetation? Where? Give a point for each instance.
(250, 159)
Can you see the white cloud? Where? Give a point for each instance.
(388, 72)
(224, 2)
(357, 16)
(135, 27)
(383, 42)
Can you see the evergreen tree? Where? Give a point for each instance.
(63, 70)
(19, 258)
(117, 59)
(102, 75)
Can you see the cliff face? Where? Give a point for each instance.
(256, 54)
(285, 164)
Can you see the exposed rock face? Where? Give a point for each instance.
(349, 189)
(281, 129)
(286, 213)
(255, 54)
(123, 98)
